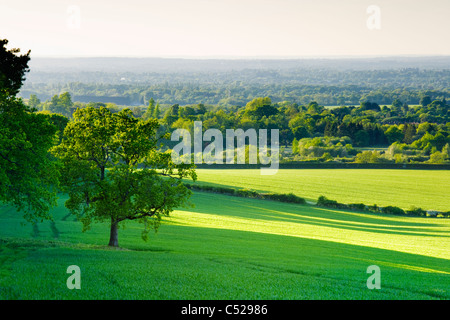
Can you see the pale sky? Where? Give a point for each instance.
(226, 28)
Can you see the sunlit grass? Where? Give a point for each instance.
(230, 248)
(428, 189)
(404, 234)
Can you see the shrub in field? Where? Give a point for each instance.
(290, 197)
(247, 193)
(223, 190)
(445, 214)
(357, 206)
(323, 148)
(393, 210)
(370, 157)
(419, 212)
(325, 202)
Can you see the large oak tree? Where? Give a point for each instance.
(113, 171)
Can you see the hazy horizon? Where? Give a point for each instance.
(314, 57)
(227, 29)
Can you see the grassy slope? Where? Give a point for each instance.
(230, 248)
(427, 189)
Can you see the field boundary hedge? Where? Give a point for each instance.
(245, 193)
(416, 212)
(321, 202)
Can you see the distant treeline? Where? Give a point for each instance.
(311, 132)
(327, 87)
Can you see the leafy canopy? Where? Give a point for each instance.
(28, 174)
(12, 68)
(113, 170)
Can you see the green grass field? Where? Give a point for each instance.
(229, 248)
(428, 189)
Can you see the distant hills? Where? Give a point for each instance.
(133, 81)
(176, 65)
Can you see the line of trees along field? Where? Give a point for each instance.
(313, 132)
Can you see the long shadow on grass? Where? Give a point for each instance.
(376, 217)
(284, 212)
(243, 262)
(329, 261)
(316, 188)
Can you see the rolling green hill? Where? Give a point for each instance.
(229, 248)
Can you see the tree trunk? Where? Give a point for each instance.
(114, 235)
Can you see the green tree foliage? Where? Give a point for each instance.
(171, 115)
(368, 157)
(157, 112)
(427, 127)
(12, 68)
(429, 141)
(393, 134)
(446, 151)
(362, 138)
(437, 157)
(34, 102)
(425, 101)
(65, 100)
(28, 175)
(324, 147)
(331, 129)
(61, 104)
(409, 132)
(362, 128)
(264, 111)
(314, 108)
(113, 171)
(393, 210)
(149, 113)
(258, 102)
(323, 201)
(370, 106)
(60, 122)
(396, 104)
(295, 148)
